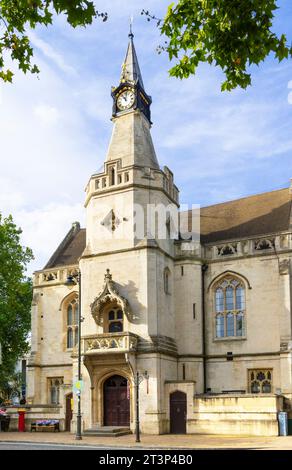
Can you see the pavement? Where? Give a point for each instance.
(164, 441)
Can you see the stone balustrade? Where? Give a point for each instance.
(54, 276)
(250, 247)
(110, 343)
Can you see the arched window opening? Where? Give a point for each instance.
(229, 308)
(72, 324)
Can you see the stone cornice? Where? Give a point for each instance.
(235, 355)
(125, 250)
(125, 188)
(41, 366)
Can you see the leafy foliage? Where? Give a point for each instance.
(15, 299)
(18, 15)
(231, 34)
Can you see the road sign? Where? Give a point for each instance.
(78, 387)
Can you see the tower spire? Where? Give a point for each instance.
(130, 69)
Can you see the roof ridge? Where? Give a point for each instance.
(245, 197)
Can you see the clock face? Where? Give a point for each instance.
(126, 100)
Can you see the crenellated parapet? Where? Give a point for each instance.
(115, 177)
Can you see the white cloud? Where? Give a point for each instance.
(47, 114)
(49, 52)
(11, 198)
(45, 228)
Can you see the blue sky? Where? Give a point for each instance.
(55, 129)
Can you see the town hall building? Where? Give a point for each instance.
(202, 314)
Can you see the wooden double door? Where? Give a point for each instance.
(116, 401)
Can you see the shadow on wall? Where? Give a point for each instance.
(130, 292)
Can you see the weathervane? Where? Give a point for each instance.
(131, 35)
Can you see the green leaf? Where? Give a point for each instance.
(232, 34)
(17, 15)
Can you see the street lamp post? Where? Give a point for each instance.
(137, 380)
(72, 281)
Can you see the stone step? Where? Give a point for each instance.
(107, 431)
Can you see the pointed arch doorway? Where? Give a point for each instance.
(116, 395)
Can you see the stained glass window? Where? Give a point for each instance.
(260, 381)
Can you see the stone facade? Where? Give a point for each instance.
(206, 324)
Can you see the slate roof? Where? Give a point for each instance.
(257, 215)
(71, 248)
(250, 216)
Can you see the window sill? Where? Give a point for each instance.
(230, 338)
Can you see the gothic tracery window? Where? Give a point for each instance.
(229, 308)
(72, 324)
(260, 380)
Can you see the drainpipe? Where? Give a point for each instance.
(204, 269)
(290, 286)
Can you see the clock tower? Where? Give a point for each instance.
(131, 176)
(130, 204)
(130, 94)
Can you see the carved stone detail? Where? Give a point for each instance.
(111, 342)
(52, 276)
(109, 295)
(284, 266)
(229, 249)
(111, 221)
(264, 244)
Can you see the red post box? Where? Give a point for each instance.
(21, 420)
